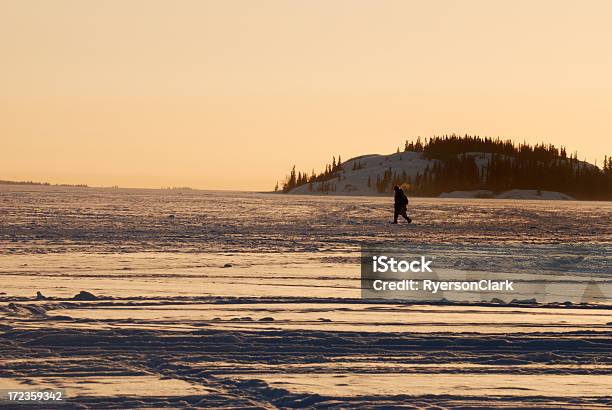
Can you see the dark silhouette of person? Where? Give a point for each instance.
(401, 204)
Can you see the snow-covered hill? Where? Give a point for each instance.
(359, 175)
(353, 179)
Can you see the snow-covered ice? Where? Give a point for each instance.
(253, 300)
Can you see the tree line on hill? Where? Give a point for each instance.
(455, 168)
(294, 180)
(508, 166)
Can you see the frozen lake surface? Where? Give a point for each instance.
(212, 299)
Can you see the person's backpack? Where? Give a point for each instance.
(404, 199)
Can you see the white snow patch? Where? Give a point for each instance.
(479, 193)
(533, 194)
(512, 194)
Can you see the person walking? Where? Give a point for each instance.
(401, 204)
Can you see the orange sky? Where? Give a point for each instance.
(229, 94)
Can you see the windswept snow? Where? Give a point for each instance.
(260, 307)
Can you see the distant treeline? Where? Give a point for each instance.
(4, 182)
(506, 166)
